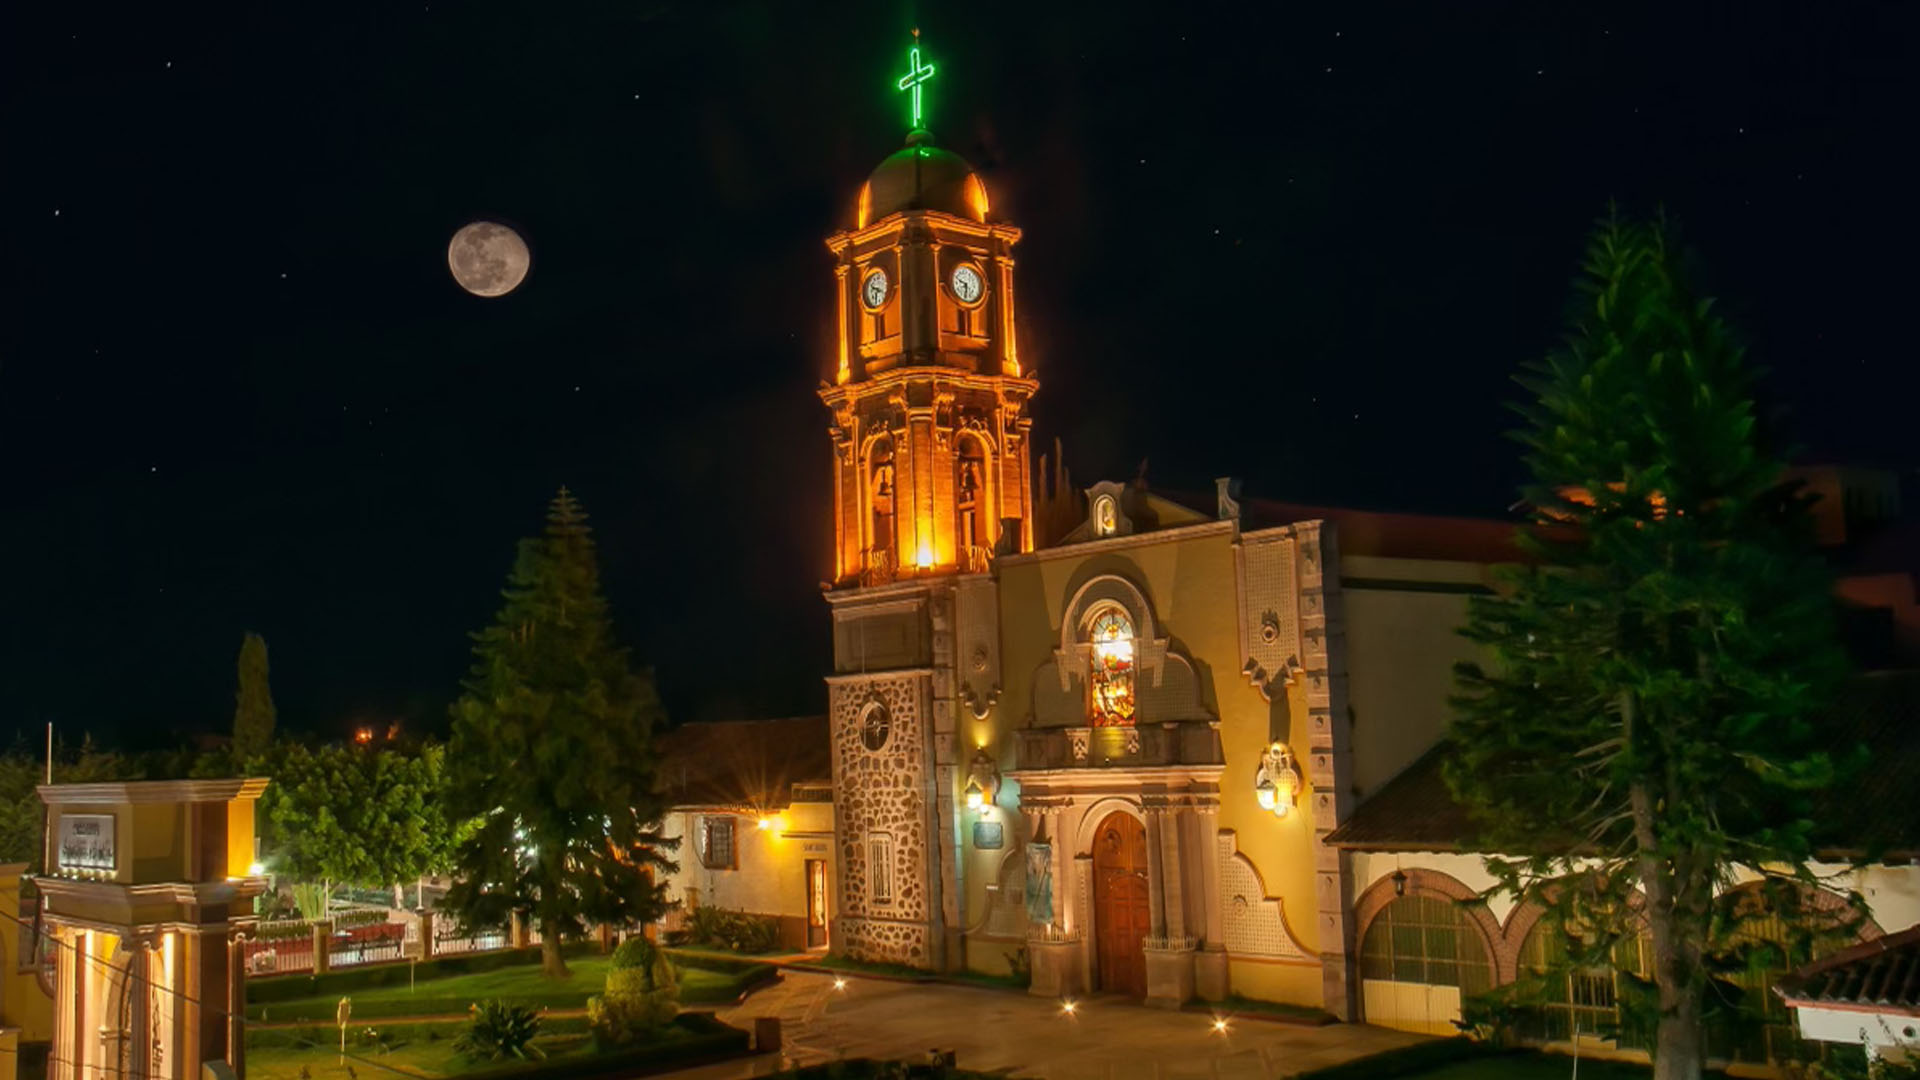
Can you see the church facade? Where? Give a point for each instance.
(1172, 745)
(1107, 731)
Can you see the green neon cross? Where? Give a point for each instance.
(917, 73)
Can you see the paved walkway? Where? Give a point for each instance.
(1030, 1037)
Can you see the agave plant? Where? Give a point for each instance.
(498, 1030)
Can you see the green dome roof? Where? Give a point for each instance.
(921, 176)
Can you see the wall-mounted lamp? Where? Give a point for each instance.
(1399, 883)
(1276, 783)
(983, 779)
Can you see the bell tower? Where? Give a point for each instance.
(928, 397)
(931, 481)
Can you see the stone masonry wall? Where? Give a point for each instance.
(882, 792)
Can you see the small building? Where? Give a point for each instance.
(1866, 995)
(752, 807)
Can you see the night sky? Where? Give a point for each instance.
(239, 390)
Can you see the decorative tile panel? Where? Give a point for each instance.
(1255, 923)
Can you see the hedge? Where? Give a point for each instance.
(707, 1040)
(275, 988)
(744, 976)
(364, 1035)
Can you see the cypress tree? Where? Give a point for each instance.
(552, 752)
(1646, 722)
(253, 713)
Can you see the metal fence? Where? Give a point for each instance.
(279, 955)
(449, 939)
(366, 945)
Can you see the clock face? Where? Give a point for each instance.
(966, 284)
(873, 288)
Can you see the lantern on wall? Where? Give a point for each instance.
(983, 778)
(1276, 783)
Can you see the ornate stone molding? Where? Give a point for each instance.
(1074, 657)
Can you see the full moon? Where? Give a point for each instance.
(488, 259)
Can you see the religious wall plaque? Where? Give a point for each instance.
(86, 842)
(988, 836)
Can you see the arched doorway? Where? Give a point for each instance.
(1121, 916)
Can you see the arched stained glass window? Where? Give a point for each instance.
(1110, 680)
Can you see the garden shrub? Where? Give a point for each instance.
(498, 1030)
(738, 931)
(642, 994)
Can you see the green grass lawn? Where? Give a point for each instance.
(454, 993)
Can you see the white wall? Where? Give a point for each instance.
(769, 877)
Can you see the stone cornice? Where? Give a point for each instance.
(1083, 548)
(152, 791)
(846, 678)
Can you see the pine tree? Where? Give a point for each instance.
(253, 715)
(552, 750)
(1646, 722)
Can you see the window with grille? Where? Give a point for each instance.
(880, 868)
(1426, 939)
(716, 843)
(1583, 1000)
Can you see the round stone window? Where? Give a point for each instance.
(875, 726)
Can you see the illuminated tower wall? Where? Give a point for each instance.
(931, 479)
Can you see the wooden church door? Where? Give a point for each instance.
(1121, 913)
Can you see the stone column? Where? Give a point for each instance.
(1156, 875)
(1211, 973)
(1173, 873)
(322, 937)
(237, 1004)
(137, 1038)
(518, 933)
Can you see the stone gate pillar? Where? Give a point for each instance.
(146, 884)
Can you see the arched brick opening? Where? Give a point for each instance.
(1422, 882)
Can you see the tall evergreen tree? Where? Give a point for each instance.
(253, 714)
(1646, 720)
(552, 751)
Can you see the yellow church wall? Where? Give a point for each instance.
(1189, 577)
(1280, 848)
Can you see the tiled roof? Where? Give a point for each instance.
(1881, 975)
(752, 764)
(1873, 813)
(1377, 532)
(1412, 812)
(1401, 536)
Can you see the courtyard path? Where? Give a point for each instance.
(991, 1030)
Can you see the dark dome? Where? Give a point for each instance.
(921, 176)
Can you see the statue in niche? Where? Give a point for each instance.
(1040, 884)
(880, 495)
(968, 496)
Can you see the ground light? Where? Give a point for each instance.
(1068, 1006)
(1220, 1025)
(839, 983)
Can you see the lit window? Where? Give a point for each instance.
(880, 868)
(716, 843)
(1110, 684)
